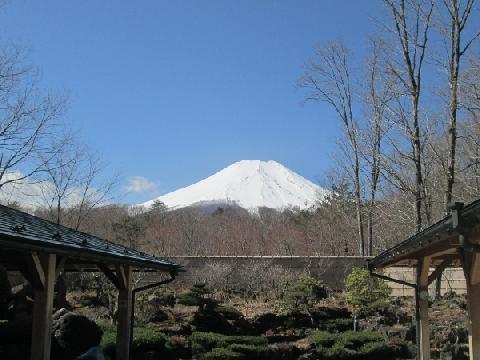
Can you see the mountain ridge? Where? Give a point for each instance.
(250, 184)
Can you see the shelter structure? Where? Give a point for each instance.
(42, 250)
(452, 242)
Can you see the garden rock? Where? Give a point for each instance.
(75, 334)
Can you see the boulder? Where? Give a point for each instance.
(75, 334)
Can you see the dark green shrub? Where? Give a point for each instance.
(322, 338)
(228, 312)
(250, 351)
(336, 353)
(306, 292)
(365, 292)
(145, 339)
(203, 342)
(248, 340)
(152, 306)
(303, 296)
(354, 340)
(351, 345)
(211, 321)
(198, 296)
(336, 325)
(376, 350)
(325, 313)
(108, 339)
(221, 354)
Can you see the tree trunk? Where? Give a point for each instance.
(452, 128)
(370, 232)
(418, 165)
(358, 201)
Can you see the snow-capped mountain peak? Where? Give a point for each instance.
(249, 184)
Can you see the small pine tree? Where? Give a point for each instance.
(305, 295)
(198, 296)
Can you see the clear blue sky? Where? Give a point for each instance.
(175, 90)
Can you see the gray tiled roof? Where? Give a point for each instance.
(22, 231)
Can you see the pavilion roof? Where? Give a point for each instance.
(20, 231)
(440, 241)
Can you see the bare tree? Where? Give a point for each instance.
(72, 186)
(411, 27)
(28, 120)
(458, 15)
(453, 30)
(377, 97)
(470, 147)
(328, 79)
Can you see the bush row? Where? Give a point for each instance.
(351, 345)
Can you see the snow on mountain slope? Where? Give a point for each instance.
(250, 184)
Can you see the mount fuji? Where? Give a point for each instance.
(250, 184)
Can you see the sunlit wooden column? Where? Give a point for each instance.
(42, 275)
(124, 276)
(421, 307)
(472, 276)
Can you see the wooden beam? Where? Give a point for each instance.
(124, 315)
(42, 309)
(421, 307)
(110, 275)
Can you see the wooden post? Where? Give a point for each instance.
(45, 266)
(421, 307)
(124, 276)
(472, 277)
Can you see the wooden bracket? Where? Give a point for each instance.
(33, 269)
(60, 266)
(114, 278)
(439, 269)
(122, 277)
